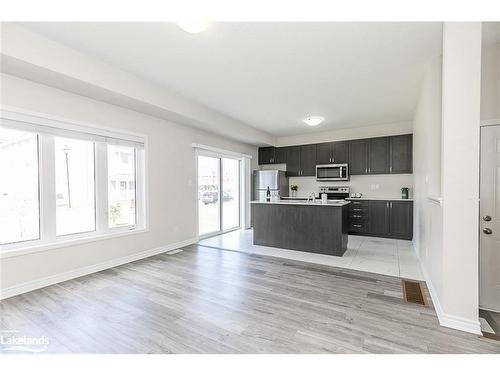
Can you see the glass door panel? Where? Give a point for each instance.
(230, 193)
(208, 194)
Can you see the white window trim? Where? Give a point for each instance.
(48, 240)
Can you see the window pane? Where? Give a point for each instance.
(75, 197)
(121, 185)
(19, 206)
(231, 193)
(208, 194)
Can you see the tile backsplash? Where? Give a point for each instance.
(377, 186)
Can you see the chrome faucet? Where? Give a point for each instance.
(311, 197)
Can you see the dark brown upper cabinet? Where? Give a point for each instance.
(324, 153)
(280, 155)
(381, 155)
(358, 156)
(340, 152)
(266, 155)
(332, 153)
(292, 161)
(401, 154)
(308, 160)
(300, 160)
(378, 155)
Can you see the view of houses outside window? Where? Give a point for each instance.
(209, 182)
(208, 194)
(19, 202)
(75, 189)
(121, 186)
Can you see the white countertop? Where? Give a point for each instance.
(379, 199)
(333, 203)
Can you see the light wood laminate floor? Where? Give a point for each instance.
(206, 300)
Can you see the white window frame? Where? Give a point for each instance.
(46, 182)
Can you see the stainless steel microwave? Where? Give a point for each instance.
(332, 172)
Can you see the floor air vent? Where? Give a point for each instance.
(413, 292)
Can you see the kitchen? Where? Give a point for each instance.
(329, 176)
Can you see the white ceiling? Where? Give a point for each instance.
(272, 75)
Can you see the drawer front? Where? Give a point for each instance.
(359, 210)
(358, 216)
(359, 203)
(358, 226)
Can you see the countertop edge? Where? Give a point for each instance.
(305, 203)
(380, 199)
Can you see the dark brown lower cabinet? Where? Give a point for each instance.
(381, 218)
(378, 218)
(401, 219)
(358, 217)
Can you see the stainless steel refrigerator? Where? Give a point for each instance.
(274, 179)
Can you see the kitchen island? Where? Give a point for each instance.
(301, 225)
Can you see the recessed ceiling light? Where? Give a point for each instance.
(193, 26)
(314, 120)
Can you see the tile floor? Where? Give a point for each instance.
(369, 254)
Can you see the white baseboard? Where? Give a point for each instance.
(448, 320)
(54, 279)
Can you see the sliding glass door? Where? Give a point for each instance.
(208, 194)
(230, 193)
(218, 194)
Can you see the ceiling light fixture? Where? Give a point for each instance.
(193, 26)
(314, 120)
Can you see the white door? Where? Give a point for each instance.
(489, 257)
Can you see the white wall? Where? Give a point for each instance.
(460, 157)
(446, 146)
(428, 223)
(490, 82)
(172, 180)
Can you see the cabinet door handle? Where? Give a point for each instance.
(366, 170)
(356, 225)
(391, 204)
(387, 204)
(390, 169)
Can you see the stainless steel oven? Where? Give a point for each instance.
(332, 172)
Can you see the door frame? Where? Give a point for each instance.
(483, 125)
(220, 155)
